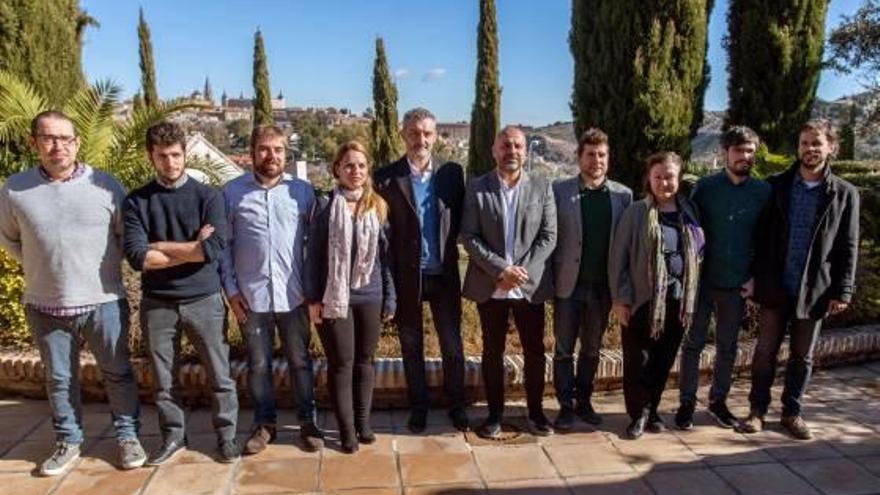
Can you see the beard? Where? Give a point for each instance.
(510, 166)
(269, 169)
(744, 170)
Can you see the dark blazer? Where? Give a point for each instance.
(830, 269)
(394, 184)
(482, 234)
(380, 286)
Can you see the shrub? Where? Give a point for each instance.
(14, 328)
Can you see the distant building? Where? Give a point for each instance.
(454, 131)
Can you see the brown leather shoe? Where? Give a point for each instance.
(797, 427)
(754, 423)
(262, 436)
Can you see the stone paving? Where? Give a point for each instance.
(843, 459)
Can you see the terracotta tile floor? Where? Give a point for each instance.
(844, 458)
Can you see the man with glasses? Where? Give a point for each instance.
(62, 220)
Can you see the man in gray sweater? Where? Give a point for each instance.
(62, 220)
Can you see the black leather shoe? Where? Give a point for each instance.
(459, 419)
(586, 412)
(655, 423)
(637, 427)
(365, 435)
(165, 452)
(418, 420)
(540, 426)
(491, 429)
(565, 419)
(684, 417)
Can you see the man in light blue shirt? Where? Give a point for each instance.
(267, 214)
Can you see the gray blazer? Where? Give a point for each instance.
(569, 241)
(482, 234)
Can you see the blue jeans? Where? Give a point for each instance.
(729, 308)
(105, 330)
(582, 316)
(773, 324)
(293, 330)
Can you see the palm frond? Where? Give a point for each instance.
(206, 166)
(92, 109)
(20, 102)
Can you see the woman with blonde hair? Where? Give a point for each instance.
(654, 269)
(349, 288)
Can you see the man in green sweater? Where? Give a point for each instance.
(729, 204)
(62, 220)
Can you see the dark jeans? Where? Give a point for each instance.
(445, 305)
(773, 324)
(295, 334)
(106, 331)
(494, 320)
(204, 321)
(646, 362)
(350, 344)
(583, 316)
(729, 308)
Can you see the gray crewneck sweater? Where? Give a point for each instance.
(67, 235)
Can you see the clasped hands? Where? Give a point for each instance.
(512, 277)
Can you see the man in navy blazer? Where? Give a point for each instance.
(424, 197)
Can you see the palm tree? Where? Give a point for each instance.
(117, 147)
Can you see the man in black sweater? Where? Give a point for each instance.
(175, 231)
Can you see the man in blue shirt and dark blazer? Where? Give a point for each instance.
(425, 197)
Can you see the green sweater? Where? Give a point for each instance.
(596, 221)
(729, 216)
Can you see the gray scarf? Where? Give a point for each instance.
(342, 276)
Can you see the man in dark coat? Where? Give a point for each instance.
(425, 197)
(804, 271)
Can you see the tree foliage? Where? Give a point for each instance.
(640, 76)
(855, 47)
(40, 42)
(385, 140)
(774, 60)
(150, 94)
(262, 95)
(485, 113)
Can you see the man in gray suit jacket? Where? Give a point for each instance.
(588, 207)
(508, 229)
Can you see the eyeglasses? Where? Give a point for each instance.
(49, 139)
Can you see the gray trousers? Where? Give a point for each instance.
(204, 321)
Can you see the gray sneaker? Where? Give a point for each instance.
(64, 455)
(131, 454)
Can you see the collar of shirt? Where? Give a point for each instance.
(78, 170)
(505, 187)
(420, 175)
(601, 187)
(256, 181)
(809, 185)
(176, 185)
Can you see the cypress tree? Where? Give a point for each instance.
(847, 150)
(385, 138)
(774, 60)
(40, 41)
(262, 95)
(485, 113)
(639, 75)
(148, 67)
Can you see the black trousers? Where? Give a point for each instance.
(445, 305)
(646, 362)
(529, 319)
(350, 344)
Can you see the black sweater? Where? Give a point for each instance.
(380, 287)
(155, 213)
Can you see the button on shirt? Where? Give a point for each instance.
(509, 200)
(264, 255)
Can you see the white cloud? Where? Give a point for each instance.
(401, 73)
(434, 74)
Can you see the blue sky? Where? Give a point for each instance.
(321, 52)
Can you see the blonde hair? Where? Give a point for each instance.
(370, 199)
